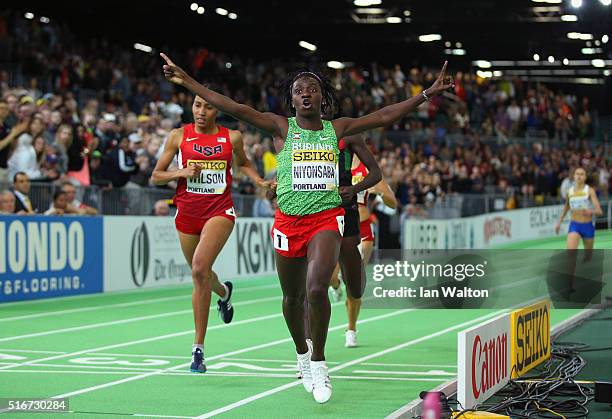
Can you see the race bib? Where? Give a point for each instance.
(314, 170)
(358, 177)
(212, 179)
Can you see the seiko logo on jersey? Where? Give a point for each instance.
(314, 156)
(207, 150)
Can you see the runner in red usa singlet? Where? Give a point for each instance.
(207, 195)
(205, 213)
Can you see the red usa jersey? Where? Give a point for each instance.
(208, 194)
(358, 174)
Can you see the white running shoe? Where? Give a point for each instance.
(298, 374)
(321, 384)
(303, 365)
(350, 338)
(336, 292)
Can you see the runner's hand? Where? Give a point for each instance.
(190, 171)
(173, 72)
(347, 193)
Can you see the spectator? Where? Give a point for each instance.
(95, 170)
(21, 186)
(73, 203)
(7, 143)
(7, 203)
(23, 158)
(59, 206)
(120, 164)
(262, 207)
(161, 208)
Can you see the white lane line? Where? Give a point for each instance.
(161, 337)
(142, 355)
(31, 352)
(218, 374)
(146, 340)
(275, 390)
(148, 291)
(432, 373)
(290, 361)
(125, 321)
(220, 356)
(379, 364)
(85, 309)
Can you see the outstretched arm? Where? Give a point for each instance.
(383, 189)
(267, 121)
(392, 113)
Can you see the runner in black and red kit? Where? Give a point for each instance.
(205, 211)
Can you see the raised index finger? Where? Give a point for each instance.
(443, 71)
(166, 58)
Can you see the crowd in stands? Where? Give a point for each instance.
(80, 113)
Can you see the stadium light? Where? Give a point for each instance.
(588, 51)
(548, 1)
(394, 19)
(28, 15)
(407, 12)
(336, 65)
(576, 4)
(458, 44)
(233, 16)
(497, 73)
(307, 45)
(430, 37)
(551, 59)
(228, 65)
(597, 42)
(367, 3)
(569, 18)
(565, 61)
(44, 19)
(194, 7)
(605, 2)
(200, 10)
(483, 63)
(536, 57)
(605, 39)
(143, 48)
(221, 11)
(598, 62)
(484, 74)
(606, 72)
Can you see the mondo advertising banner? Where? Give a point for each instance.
(483, 231)
(483, 361)
(143, 252)
(45, 257)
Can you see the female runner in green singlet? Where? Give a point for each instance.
(308, 228)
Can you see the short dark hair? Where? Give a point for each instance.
(57, 194)
(17, 174)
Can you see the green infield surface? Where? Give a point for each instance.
(128, 354)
